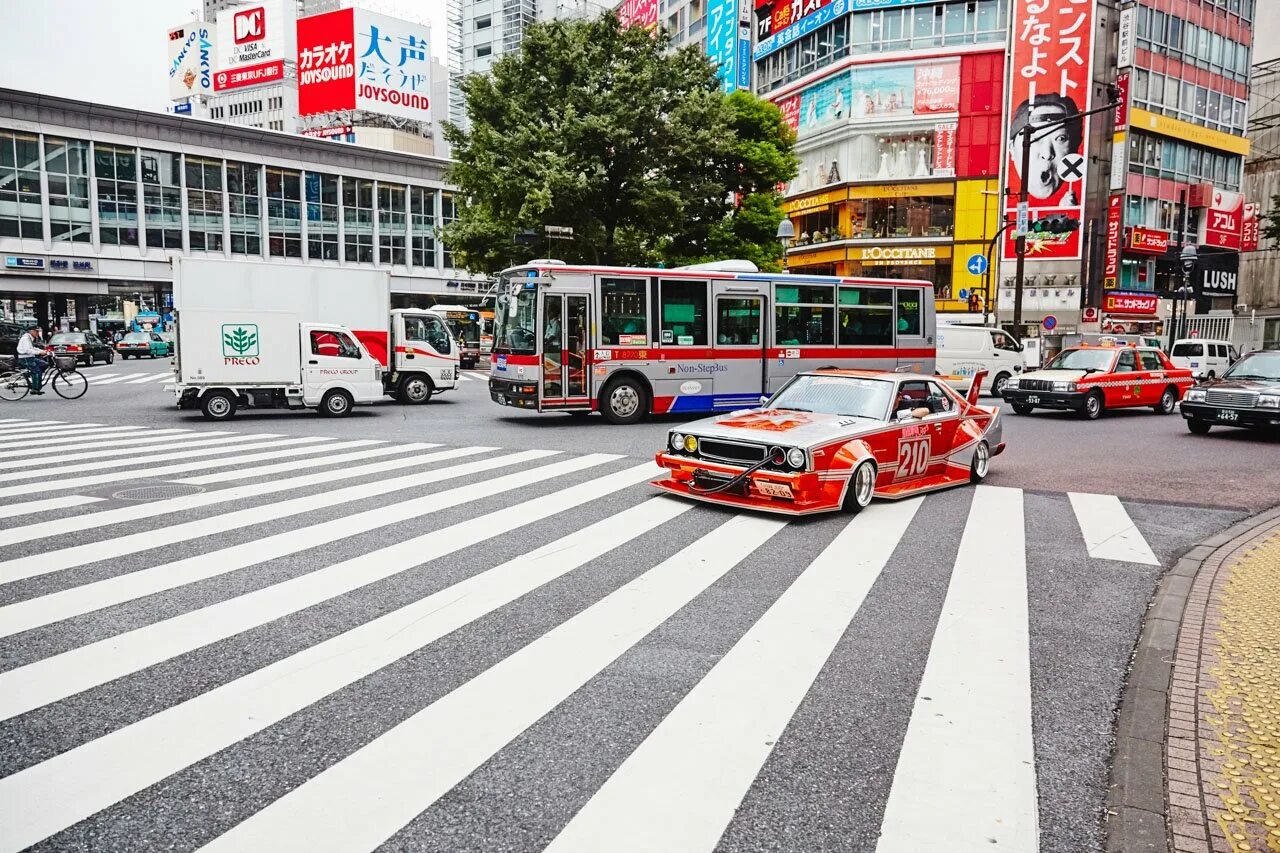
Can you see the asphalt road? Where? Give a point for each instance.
(308, 635)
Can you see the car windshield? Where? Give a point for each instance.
(70, 338)
(514, 322)
(1256, 365)
(1082, 359)
(1187, 350)
(851, 396)
(137, 337)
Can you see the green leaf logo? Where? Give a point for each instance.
(240, 341)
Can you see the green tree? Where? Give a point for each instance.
(1271, 228)
(606, 130)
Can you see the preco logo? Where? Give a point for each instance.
(250, 25)
(243, 362)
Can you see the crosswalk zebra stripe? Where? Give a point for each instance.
(147, 377)
(51, 429)
(45, 456)
(112, 380)
(966, 772)
(66, 557)
(58, 439)
(139, 435)
(54, 678)
(271, 448)
(165, 377)
(49, 562)
(29, 507)
(19, 424)
(1109, 533)
(141, 754)
(361, 801)
(6, 422)
(680, 788)
(298, 465)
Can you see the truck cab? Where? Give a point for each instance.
(424, 357)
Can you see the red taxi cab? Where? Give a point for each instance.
(1091, 379)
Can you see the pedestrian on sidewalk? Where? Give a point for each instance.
(31, 356)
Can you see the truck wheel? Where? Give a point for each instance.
(414, 390)
(862, 488)
(218, 405)
(336, 404)
(624, 401)
(997, 384)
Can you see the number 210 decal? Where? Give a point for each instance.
(913, 457)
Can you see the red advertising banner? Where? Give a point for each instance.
(326, 63)
(1121, 123)
(1149, 240)
(1250, 230)
(937, 87)
(1048, 92)
(1223, 220)
(638, 13)
(944, 149)
(791, 111)
(248, 75)
(1115, 225)
(1130, 303)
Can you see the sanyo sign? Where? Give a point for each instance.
(190, 60)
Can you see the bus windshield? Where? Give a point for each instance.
(850, 396)
(513, 330)
(463, 327)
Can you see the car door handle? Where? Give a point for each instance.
(408, 355)
(313, 361)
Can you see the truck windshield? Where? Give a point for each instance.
(514, 323)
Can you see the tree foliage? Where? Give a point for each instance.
(1271, 220)
(604, 129)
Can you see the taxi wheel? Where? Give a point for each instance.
(1198, 426)
(1168, 401)
(981, 463)
(1022, 409)
(862, 488)
(1093, 406)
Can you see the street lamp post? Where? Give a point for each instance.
(786, 233)
(1188, 257)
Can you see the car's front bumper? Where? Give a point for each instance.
(1223, 416)
(789, 493)
(1071, 400)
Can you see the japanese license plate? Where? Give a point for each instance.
(1033, 399)
(1228, 415)
(774, 490)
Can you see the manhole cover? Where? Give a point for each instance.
(155, 493)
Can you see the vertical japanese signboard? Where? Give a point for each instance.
(191, 60)
(1249, 231)
(1115, 225)
(722, 43)
(1050, 81)
(1220, 226)
(638, 13)
(356, 59)
(253, 43)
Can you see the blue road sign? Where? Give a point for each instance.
(1049, 322)
(977, 264)
(964, 294)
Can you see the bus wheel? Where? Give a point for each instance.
(624, 401)
(414, 390)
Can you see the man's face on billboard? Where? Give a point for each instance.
(1048, 147)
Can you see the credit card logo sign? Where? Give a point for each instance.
(250, 25)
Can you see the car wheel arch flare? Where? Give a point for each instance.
(846, 458)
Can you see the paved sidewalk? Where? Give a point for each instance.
(1218, 682)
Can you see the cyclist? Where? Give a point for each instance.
(31, 357)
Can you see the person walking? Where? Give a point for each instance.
(31, 356)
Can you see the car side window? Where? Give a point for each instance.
(923, 395)
(1151, 360)
(1127, 362)
(1003, 341)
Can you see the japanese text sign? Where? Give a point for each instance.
(1130, 303)
(1149, 241)
(1222, 220)
(1115, 223)
(638, 13)
(1249, 232)
(722, 43)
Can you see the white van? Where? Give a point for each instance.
(1205, 359)
(964, 350)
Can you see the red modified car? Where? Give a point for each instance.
(836, 439)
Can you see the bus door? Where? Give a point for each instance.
(914, 331)
(565, 347)
(740, 329)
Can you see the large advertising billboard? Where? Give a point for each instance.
(353, 59)
(191, 60)
(1050, 82)
(879, 92)
(638, 13)
(780, 22)
(254, 41)
(726, 47)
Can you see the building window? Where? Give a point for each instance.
(483, 23)
(483, 50)
(392, 224)
(804, 316)
(448, 213)
(683, 313)
(117, 172)
(245, 200)
(66, 162)
(422, 212)
(357, 218)
(20, 186)
(204, 204)
(284, 213)
(162, 198)
(322, 216)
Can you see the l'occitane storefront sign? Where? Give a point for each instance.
(887, 255)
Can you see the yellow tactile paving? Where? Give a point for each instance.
(1245, 718)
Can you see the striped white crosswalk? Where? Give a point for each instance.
(420, 545)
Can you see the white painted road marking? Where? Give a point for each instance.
(1109, 533)
(13, 510)
(139, 435)
(108, 449)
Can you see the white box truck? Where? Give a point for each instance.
(265, 335)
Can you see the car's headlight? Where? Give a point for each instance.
(691, 443)
(1065, 386)
(1269, 401)
(676, 441)
(1011, 383)
(1194, 395)
(795, 458)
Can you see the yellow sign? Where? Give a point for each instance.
(1193, 133)
(811, 258)
(902, 190)
(890, 255)
(814, 202)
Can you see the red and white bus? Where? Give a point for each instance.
(712, 337)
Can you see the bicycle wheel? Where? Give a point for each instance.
(14, 386)
(70, 384)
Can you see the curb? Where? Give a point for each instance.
(1137, 809)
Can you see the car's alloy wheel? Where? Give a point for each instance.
(981, 463)
(862, 487)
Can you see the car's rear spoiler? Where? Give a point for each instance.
(975, 387)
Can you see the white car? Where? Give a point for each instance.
(964, 351)
(1206, 359)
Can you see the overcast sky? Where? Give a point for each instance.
(114, 51)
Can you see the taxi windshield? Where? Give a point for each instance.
(1082, 359)
(1256, 365)
(851, 396)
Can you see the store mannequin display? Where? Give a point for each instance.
(884, 166)
(922, 164)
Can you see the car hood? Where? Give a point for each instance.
(780, 427)
(1056, 375)
(1257, 386)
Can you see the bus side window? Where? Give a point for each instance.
(684, 313)
(908, 311)
(624, 315)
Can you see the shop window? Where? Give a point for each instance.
(909, 311)
(738, 321)
(866, 316)
(684, 313)
(448, 214)
(117, 175)
(204, 204)
(357, 215)
(624, 313)
(67, 170)
(245, 202)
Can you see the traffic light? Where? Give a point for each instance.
(1057, 223)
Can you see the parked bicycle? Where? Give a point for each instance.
(60, 374)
